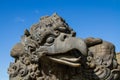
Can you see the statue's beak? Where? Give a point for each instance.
(61, 51)
(70, 43)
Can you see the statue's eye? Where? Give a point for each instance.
(50, 39)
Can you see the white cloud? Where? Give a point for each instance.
(19, 19)
(37, 11)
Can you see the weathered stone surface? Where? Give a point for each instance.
(50, 51)
(118, 57)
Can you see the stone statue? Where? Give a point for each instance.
(50, 51)
(118, 57)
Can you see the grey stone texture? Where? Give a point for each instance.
(51, 51)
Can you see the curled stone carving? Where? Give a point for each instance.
(50, 51)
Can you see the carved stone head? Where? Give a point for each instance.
(51, 51)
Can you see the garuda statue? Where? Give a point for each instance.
(50, 51)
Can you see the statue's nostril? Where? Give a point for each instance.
(63, 37)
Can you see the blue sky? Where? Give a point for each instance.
(89, 18)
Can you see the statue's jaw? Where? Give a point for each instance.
(66, 62)
(67, 59)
